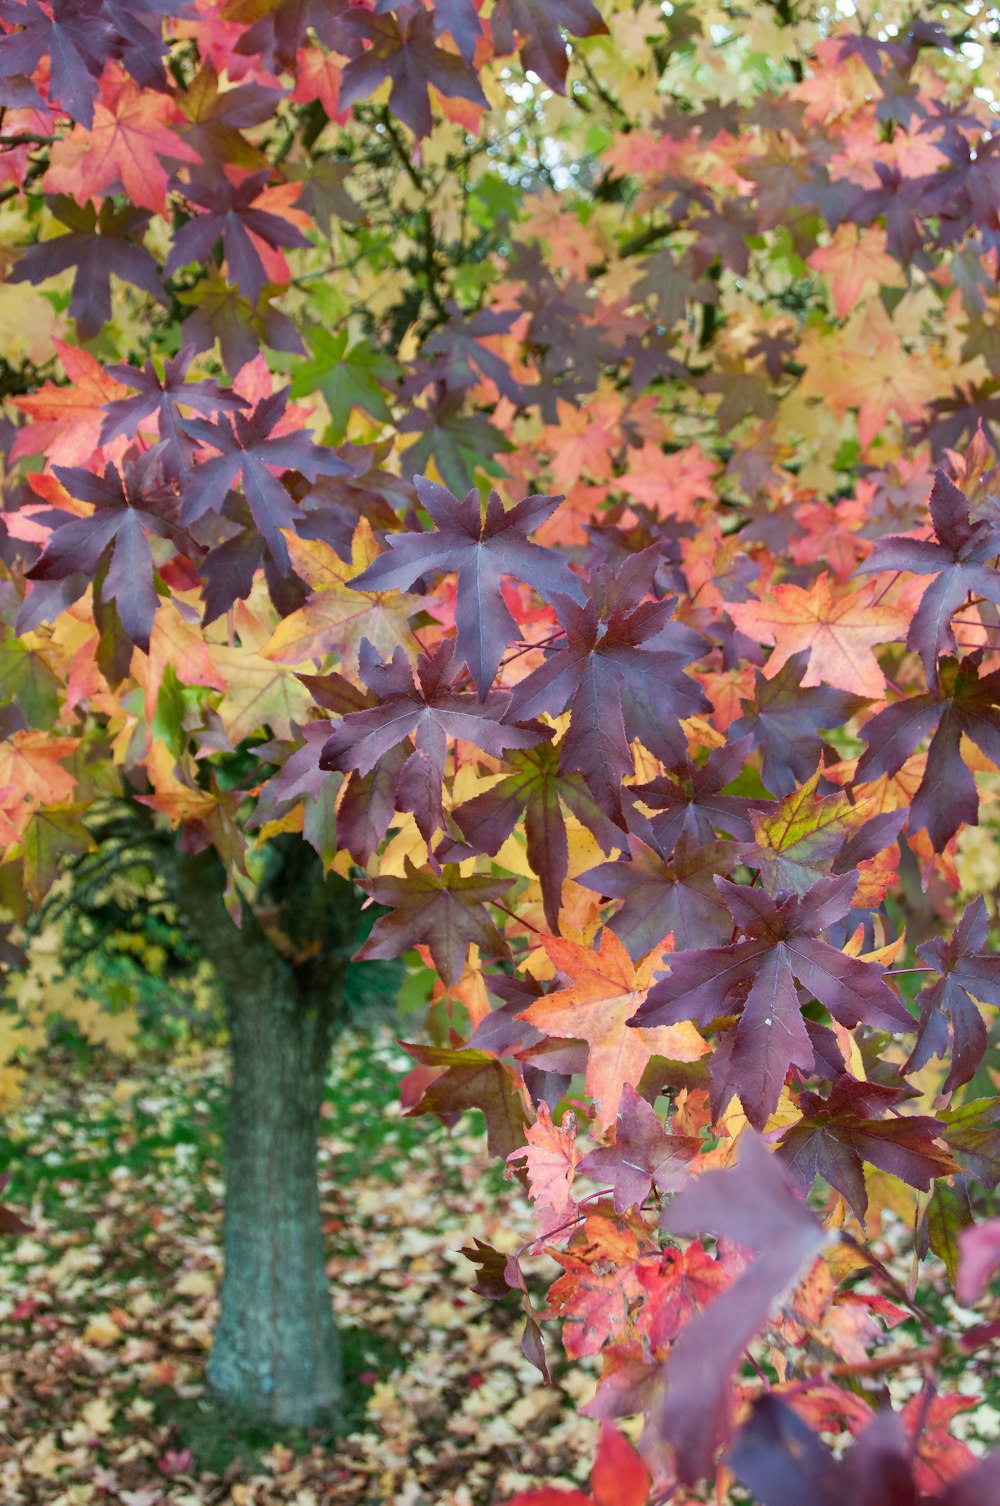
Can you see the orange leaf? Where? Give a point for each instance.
(838, 625)
(607, 990)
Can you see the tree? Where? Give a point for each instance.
(664, 755)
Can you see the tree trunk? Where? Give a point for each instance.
(275, 1353)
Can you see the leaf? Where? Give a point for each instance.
(620, 670)
(550, 1158)
(642, 1154)
(427, 706)
(66, 418)
(687, 800)
(604, 992)
(473, 1080)
(127, 508)
(784, 721)
(781, 1460)
(837, 625)
(251, 447)
(835, 1135)
(968, 972)
(481, 550)
(163, 398)
(972, 1131)
(337, 617)
(753, 1204)
(348, 379)
(663, 898)
(402, 48)
(442, 911)
(957, 560)
(537, 23)
(979, 1260)
(756, 978)
(100, 242)
(77, 42)
(536, 790)
(968, 704)
(130, 132)
(229, 212)
(797, 843)
(54, 833)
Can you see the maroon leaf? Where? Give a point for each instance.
(621, 672)
(754, 1205)
(662, 898)
(402, 48)
(643, 1153)
(442, 911)
(250, 450)
(538, 791)
(537, 24)
(99, 243)
(756, 977)
(482, 550)
(229, 215)
(837, 1134)
(969, 705)
(427, 707)
(968, 972)
(784, 721)
(959, 562)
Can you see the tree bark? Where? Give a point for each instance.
(275, 1353)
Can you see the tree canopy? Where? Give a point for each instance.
(545, 456)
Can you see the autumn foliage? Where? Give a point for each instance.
(546, 456)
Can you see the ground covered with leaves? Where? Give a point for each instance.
(107, 1306)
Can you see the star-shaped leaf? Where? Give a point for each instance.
(838, 625)
(969, 971)
(966, 704)
(482, 549)
(756, 978)
(642, 1154)
(440, 910)
(958, 560)
(427, 706)
(837, 1134)
(604, 992)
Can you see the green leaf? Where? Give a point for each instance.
(348, 379)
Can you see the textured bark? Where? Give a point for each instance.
(275, 1352)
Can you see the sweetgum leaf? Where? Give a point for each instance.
(666, 897)
(958, 560)
(251, 451)
(75, 37)
(784, 721)
(968, 972)
(402, 48)
(837, 1134)
(481, 549)
(538, 790)
(475, 1080)
(440, 910)
(427, 706)
(126, 510)
(620, 670)
(99, 243)
(968, 704)
(753, 1204)
(537, 24)
(688, 799)
(642, 1154)
(228, 214)
(756, 977)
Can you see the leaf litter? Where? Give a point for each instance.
(107, 1304)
